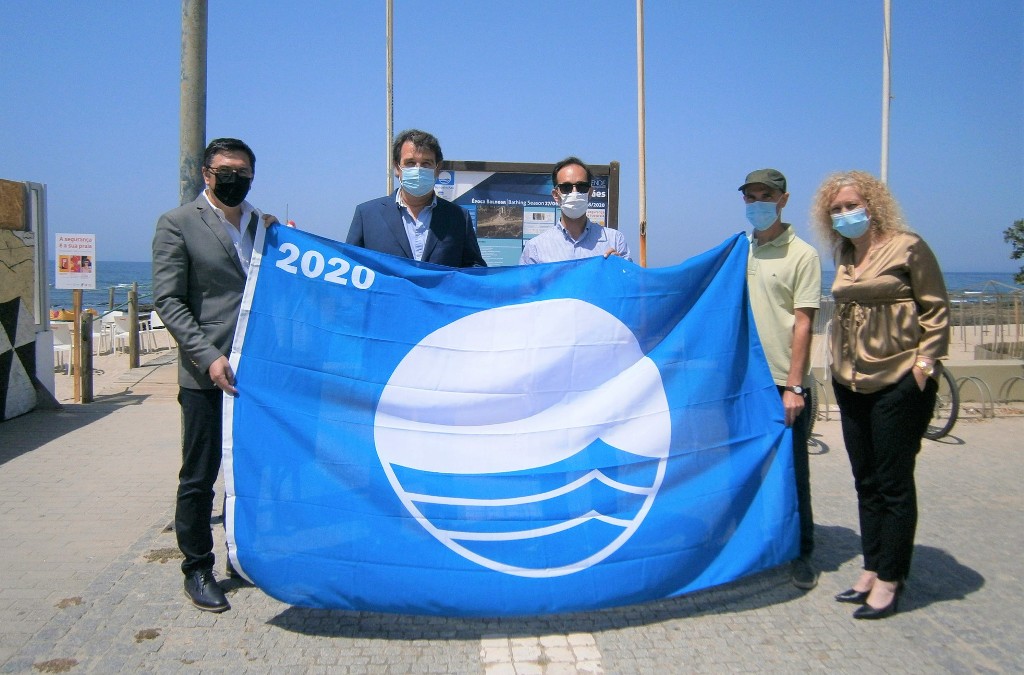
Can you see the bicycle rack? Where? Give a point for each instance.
(988, 407)
(1004, 389)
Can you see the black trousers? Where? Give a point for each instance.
(200, 463)
(882, 431)
(802, 471)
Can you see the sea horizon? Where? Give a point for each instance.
(120, 274)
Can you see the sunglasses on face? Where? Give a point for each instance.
(581, 186)
(228, 176)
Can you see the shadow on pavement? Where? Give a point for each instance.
(817, 446)
(950, 439)
(770, 587)
(834, 546)
(936, 576)
(35, 429)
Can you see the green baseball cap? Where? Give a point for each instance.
(769, 177)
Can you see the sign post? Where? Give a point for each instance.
(76, 343)
(76, 270)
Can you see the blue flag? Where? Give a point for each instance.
(505, 441)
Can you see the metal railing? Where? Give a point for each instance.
(994, 322)
(991, 321)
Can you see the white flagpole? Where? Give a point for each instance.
(641, 128)
(886, 96)
(390, 19)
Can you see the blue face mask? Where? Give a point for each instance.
(851, 224)
(417, 180)
(762, 215)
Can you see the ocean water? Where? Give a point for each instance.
(120, 276)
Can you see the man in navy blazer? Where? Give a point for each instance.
(413, 222)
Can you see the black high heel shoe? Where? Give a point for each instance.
(866, 611)
(853, 596)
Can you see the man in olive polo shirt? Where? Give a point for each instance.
(784, 279)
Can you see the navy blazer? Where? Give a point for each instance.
(377, 225)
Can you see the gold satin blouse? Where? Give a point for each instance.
(894, 312)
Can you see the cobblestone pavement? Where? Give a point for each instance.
(90, 578)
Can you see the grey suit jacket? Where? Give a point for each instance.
(197, 287)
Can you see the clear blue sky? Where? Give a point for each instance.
(90, 106)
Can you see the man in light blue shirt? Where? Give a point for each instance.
(574, 236)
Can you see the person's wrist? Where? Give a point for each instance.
(926, 366)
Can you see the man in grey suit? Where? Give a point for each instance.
(201, 254)
(413, 222)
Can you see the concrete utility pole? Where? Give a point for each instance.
(192, 136)
(389, 60)
(641, 117)
(886, 86)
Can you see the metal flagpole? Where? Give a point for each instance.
(641, 128)
(391, 92)
(886, 97)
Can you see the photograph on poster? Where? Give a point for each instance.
(499, 222)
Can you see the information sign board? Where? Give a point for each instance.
(511, 203)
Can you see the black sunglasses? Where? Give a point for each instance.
(227, 176)
(581, 186)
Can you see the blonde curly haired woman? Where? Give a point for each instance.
(890, 330)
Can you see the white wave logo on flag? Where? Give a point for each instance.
(530, 439)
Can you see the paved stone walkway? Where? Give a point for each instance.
(89, 578)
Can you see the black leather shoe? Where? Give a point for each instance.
(868, 612)
(202, 589)
(852, 596)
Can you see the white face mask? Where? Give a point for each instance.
(574, 205)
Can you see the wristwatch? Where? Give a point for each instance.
(796, 389)
(926, 367)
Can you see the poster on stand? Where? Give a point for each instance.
(75, 257)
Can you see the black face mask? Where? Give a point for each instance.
(232, 193)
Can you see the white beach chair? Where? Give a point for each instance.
(106, 322)
(119, 333)
(62, 341)
(157, 327)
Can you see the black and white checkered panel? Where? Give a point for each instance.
(17, 359)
